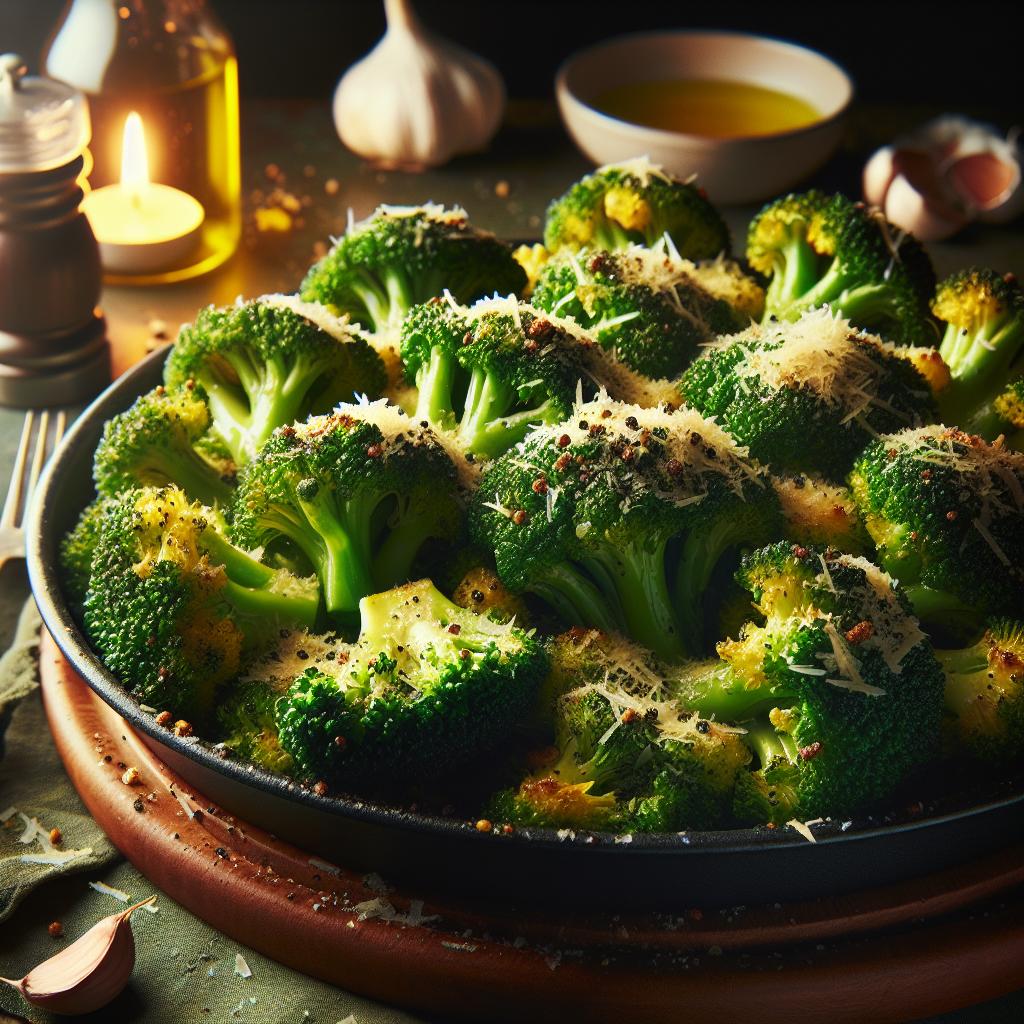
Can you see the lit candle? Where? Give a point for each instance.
(141, 226)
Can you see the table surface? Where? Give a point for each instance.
(293, 164)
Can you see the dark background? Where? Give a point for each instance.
(967, 58)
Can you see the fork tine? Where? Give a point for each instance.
(13, 499)
(39, 455)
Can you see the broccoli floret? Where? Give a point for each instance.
(827, 250)
(982, 344)
(172, 605)
(427, 686)
(78, 547)
(946, 512)
(726, 280)
(489, 373)
(404, 255)
(626, 757)
(806, 396)
(153, 444)
(635, 202)
(646, 305)
(818, 512)
(838, 690)
(619, 517)
(359, 492)
(267, 363)
(985, 693)
(245, 713)
(1009, 407)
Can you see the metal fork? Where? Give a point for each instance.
(25, 476)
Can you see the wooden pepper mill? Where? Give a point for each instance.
(53, 343)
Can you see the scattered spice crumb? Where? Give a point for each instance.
(502, 189)
(182, 728)
(331, 186)
(56, 929)
(55, 836)
(130, 776)
(164, 719)
(483, 825)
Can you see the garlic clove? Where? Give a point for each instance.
(417, 100)
(878, 174)
(89, 973)
(929, 217)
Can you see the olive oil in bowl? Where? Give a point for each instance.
(711, 108)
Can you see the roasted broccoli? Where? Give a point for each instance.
(1009, 407)
(359, 492)
(482, 591)
(838, 689)
(806, 396)
(619, 517)
(818, 512)
(172, 605)
(404, 255)
(78, 547)
(267, 363)
(427, 686)
(828, 250)
(946, 512)
(491, 372)
(647, 305)
(983, 345)
(245, 712)
(154, 444)
(626, 758)
(985, 693)
(635, 202)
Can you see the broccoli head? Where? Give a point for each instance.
(822, 250)
(481, 590)
(822, 513)
(358, 492)
(404, 255)
(267, 363)
(489, 373)
(78, 547)
(838, 689)
(245, 712)
(946, 512)
(626, 757)
(620, 516)
(635, 202)
(153, 444)
(983, 344)
(806, 397)
(172, 606)
(1009, 407)
(646, 305)
(427, 687)
(985, 693)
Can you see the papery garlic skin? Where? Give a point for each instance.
(417, 100)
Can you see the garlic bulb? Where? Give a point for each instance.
(417, 100)
(87, 974)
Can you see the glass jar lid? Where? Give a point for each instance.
(43, 123)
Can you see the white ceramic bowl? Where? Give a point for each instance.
(733, 170)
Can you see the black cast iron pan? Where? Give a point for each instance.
(435, 853)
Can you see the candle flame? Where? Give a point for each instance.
(134, 162)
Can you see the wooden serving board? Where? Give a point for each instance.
(888, 955)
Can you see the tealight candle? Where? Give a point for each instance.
(141, 225)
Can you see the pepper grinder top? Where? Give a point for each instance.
(53, 347)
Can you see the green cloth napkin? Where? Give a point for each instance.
(184, 969)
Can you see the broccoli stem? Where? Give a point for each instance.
(724, 696)
(870, 305)
(486, 399)
(392, 564)
(186, 468)
(979, 362)
(344, 536)
(609, 234)
(434, 383)
(636, 575)
(496, 437)
(797, 273)
(702, 551)
(941, 609)
(575, 598)
(769, 744)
